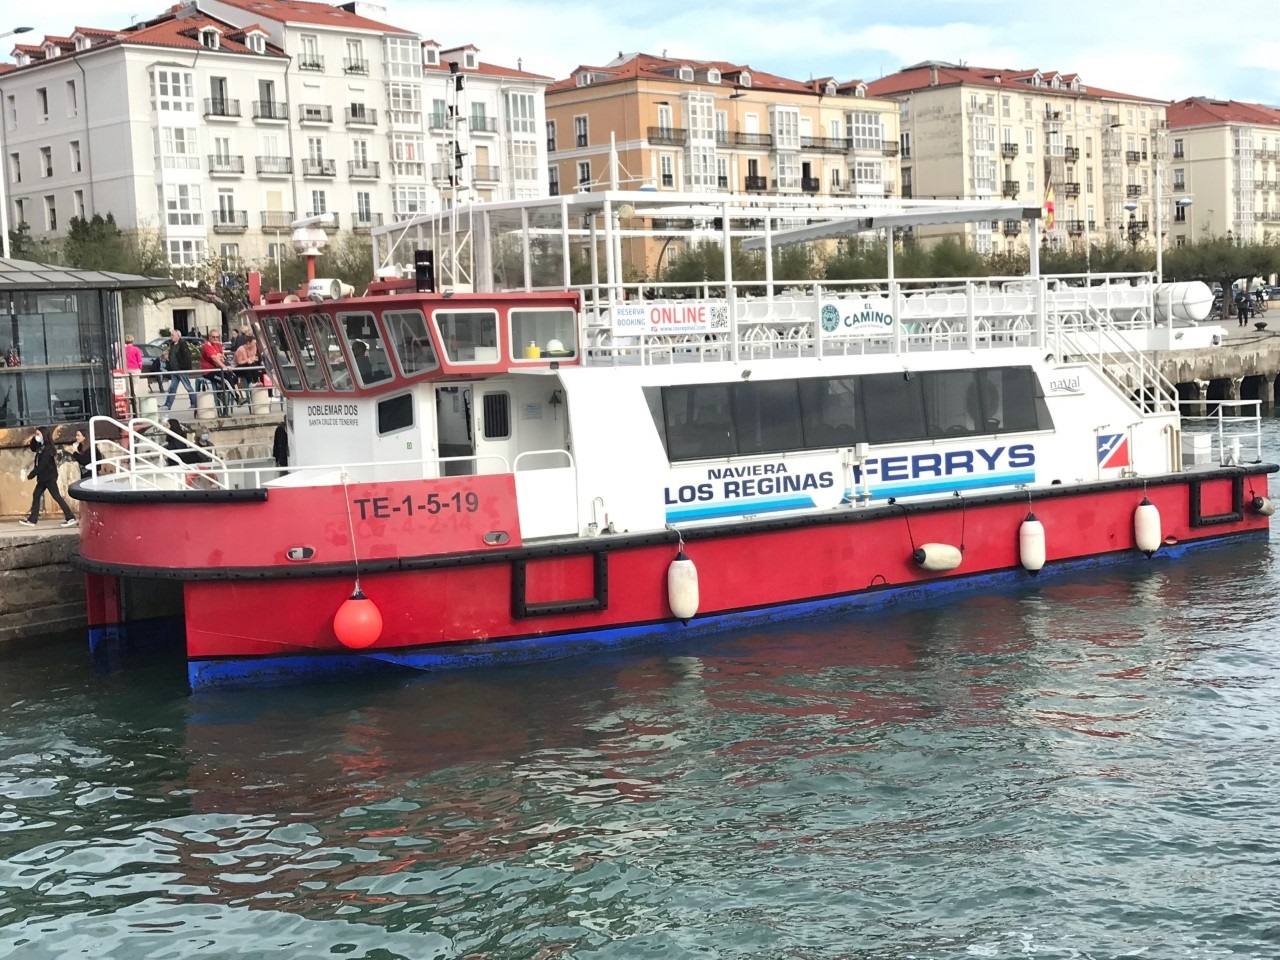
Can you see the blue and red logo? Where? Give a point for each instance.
(1113, 450)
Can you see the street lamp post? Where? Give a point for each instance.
(4, 175)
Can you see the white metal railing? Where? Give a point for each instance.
(148, 393)
(1092, 335)
(131, 456)
(1232, 432)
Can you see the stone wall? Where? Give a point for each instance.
(41, 593)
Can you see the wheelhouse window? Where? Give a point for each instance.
(411, 341)
(468, 336)
(324, 333)
(395, 414)
(364, 340)
(552, 332)
(282, 358)
(310, 363)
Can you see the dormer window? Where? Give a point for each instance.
(584, 78)
(469, 60)
(22, 59)
(713, 75)
(83, 43)
(686, 74)
(430, 56)
(256, 42)
(829, 88)
(860, 90)
(51, 50)
(744, 79)
(1056, 83)
(210, 38)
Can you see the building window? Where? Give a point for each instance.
(50, 213)
(309, 56)
(42, 103)
(907, 186)
(15, 167)
(1178, 153)
(257, 43)
(185, 253)
(46, 162)
(230, 254)
(364, 207)
(866, 130)
(521, 115)
(408, 200)
(20, 211)
(1179, 179)
(524, 160)
(403, 56)
(551, 136)
(784, 124)
(73, 99)
(11, 111)
(786, 168)
(78, 203)
(178, 148)
(666, 167)
(431, 56)
(209, 38)
(405, 102)
(1031, 141)
(1031, 177)
(868, 176)
(580, 131)
(173, 90)
(553, 180)
(75, 156)
(584, 175)
(1179, 241)
(1088, 180)
(1088, 148)
(1179, 213)
(906, 144)
(182, 205)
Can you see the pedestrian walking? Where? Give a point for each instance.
(44, 471)
(179, 364)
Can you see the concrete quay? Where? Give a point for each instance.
(1245, 366)
(41, 592)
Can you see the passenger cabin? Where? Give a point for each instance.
(423, 385)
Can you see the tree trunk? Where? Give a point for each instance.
(1228, 299)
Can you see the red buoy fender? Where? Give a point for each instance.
(358, 622)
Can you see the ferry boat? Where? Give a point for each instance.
(534, 457)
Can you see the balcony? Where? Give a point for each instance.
(361, 117)
(355, 68)
(1132, 156)
(753, 140)
(328, 226)
(1137, 226)
(315, 113)
(1179, 153)
(362, 170)
(1009, 189)
(221, 107)
(723, 139)
(311, 62)
(274, 166)
(889, 149)
(1008, 150)
(1133, 190)
(1072, 154)
(1012, 228)
(810, 184)
(437, 121)
(277, 219)
(225, 166)
(364, 222)
(229, 221)
(668, 136)
(478, 124)
(1074, 227)
(485, 172)
(825, 144)
(756, 184)
(270, 110)
(1071, 189)
(319, 167)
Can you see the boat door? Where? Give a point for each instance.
(455, 430)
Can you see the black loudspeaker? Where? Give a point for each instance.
(424, 270)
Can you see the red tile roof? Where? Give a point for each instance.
(643, 66)
(487, 70)
(6, 67)
(319, 14)
(1201, 111)
(94, 32)
(920, 77)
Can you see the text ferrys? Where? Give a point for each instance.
(333, 414)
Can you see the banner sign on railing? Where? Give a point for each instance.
(665, 319)
(856, 317)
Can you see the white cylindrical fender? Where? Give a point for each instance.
(1263, 505)
(937, 557)
(1031, 544)
(1146, 527)
(682, 587)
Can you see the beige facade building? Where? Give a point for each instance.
(1225, 158)
(704, 126)
(979, 133)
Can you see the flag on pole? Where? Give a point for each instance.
(1048, 206)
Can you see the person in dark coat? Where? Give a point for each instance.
(44, 471)
(280, 446)
(83, 455)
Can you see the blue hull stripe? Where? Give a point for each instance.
(739, 508)
(915, 488)
(262, 671)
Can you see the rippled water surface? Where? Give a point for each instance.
(1086, 766)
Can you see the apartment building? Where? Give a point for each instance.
(1225, 158)
(717, 126)
(1024, 135)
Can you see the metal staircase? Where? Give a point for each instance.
(1096, 340)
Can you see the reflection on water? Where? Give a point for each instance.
(1083, 767)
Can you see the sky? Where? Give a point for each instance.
(1169, 49)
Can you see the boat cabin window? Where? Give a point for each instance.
(497, 416)
(545, 333)
(468, 337)
(309, 357)
(364, 340)
(324, 332)
(395, 413)
(410, 340)
(281, 354)
(699, 421)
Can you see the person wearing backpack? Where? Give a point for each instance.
(181, 359)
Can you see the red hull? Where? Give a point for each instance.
(609, 583)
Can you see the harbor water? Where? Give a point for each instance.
(1079, 766)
